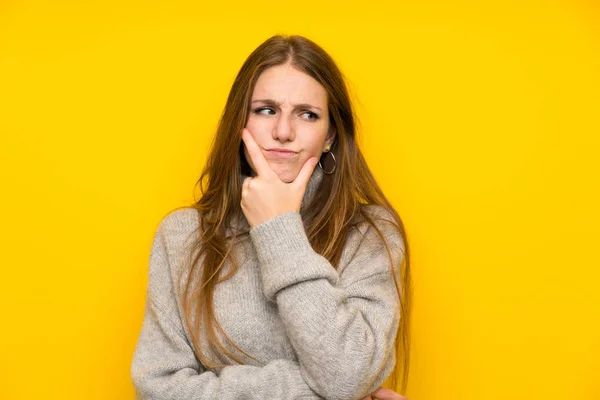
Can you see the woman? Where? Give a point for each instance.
(285, 279)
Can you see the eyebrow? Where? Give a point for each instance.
(302, 105)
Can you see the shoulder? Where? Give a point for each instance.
(175, 235)
(179, 221)
(375, 236)
(382, 230)
(378, 212)
(178, 229)
(379, 218)
(169, 256)
(375, 228)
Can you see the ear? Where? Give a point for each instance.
(331, 134)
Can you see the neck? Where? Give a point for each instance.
(312, 187)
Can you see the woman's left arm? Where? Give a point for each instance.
(342, 325)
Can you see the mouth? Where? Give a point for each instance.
(280, 153)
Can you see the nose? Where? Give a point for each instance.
(283, 130)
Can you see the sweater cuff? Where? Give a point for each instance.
(286, 256)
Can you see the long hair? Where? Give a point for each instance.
(341, 201)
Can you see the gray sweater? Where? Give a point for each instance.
(316, 332)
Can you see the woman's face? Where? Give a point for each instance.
(288, 112)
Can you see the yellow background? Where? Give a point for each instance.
(480, 120)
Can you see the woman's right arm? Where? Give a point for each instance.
(164, 364)
(165, 367)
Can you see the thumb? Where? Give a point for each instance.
(305, 173)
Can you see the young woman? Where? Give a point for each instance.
(289, 278)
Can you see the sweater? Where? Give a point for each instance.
(314, 332)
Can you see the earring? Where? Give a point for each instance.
(328, 148)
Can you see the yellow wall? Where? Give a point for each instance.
(481, 122)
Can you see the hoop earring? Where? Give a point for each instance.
(334, 164)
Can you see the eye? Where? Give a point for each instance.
(264, 111)
(310, 116)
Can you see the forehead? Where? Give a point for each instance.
(285, 83)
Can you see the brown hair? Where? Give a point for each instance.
(327, 226)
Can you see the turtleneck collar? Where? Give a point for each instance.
(312, 187)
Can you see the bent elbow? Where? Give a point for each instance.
(341, 380)
(349, 375)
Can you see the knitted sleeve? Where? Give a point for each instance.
(343, 323)
(165, 366)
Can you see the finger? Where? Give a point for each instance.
(246, 184)
(387, 394)
(245, 187)
(258, 159)
(305, 173)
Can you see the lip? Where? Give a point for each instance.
(284, 153)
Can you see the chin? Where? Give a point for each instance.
(285, 174)
(287, 177)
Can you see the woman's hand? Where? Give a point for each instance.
(385, 394)
(265, 196)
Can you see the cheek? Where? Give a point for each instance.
(260, 130)
(251, 124)
(258, 126)
(315, 140)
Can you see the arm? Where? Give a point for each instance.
(165, 366)
(342, 325)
